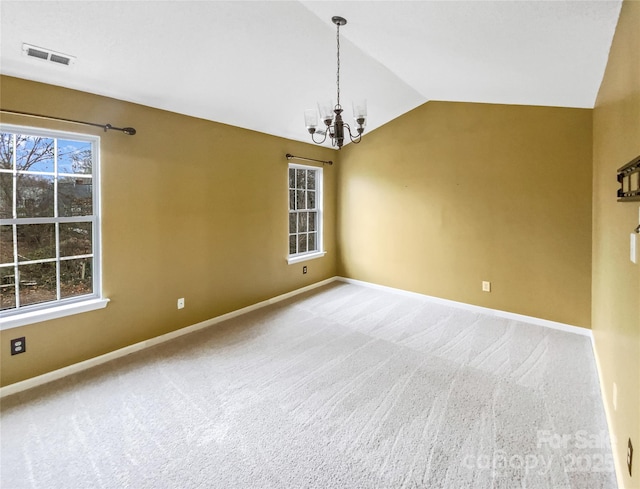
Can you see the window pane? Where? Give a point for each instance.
(311, 200)
(75, 197)
(302, 243)
(7, 297)
(300, 199)
(75, 278)
(6, 196)
(302, 222)
(36, 241)
(300, 179)
(75, 239)
(74, 157)
(292, 223)
(34, 153)
(34, 196)
(6, 151)
(292, 178)
(53, 179)
(6, 244)
(7, 288)
(37, 283)
(292, 244)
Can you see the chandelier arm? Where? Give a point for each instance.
(355, 140)
(322, 140)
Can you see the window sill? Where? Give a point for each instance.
(308, 256)
(52, 313)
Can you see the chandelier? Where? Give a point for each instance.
(331, 114)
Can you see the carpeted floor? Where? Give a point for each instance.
(346, 387)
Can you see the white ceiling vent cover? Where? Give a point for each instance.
(47, 55)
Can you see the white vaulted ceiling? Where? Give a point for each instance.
(259, 64)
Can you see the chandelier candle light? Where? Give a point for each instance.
(332, 115)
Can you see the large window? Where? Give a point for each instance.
(49, 219)
(305, 212)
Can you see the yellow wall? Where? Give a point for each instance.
(616, 280)
(452, 194)
(191, 209)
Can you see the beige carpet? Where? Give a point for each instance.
(345, 387)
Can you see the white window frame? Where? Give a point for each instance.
(57, 308)
(308, 255)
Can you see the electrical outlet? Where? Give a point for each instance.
(486, 286)
(629, 456)
(304, 270)
(181, 303)
(18, 345)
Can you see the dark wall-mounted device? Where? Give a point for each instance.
(629, 180)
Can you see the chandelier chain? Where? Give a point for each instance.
(338, 59)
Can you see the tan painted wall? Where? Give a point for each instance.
(616, 280)
(191, 209)
(452, 194)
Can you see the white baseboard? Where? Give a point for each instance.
(470, 307)
(127, 350)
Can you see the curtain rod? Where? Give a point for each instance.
(130, 131)
(324, 162)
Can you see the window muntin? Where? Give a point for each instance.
(305, 210)
(49, 219)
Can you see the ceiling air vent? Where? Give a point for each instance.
(47, 55)
(63, 60)
(36, 53)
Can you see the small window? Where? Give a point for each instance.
(49, 219)
(305, 212)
